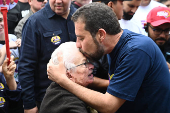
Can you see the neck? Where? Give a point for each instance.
(2, 36)
(112, 41)
(66, 15)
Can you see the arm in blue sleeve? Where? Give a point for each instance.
(27, 63)
(14, 95)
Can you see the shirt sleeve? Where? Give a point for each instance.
(129, 75)
(14, 95)
(27, 63)
(18, 29)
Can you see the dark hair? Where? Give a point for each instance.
(114, 1)
(97, 15)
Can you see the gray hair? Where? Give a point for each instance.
(97, 15)
(68, 51)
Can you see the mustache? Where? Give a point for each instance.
(161, 39)
(58, 5)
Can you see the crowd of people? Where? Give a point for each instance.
(83, 56)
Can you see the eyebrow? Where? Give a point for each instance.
(79, 36)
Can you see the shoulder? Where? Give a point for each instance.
(156, 4)
(12, 37)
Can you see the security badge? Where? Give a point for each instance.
(56, 40)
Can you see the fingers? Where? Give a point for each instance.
(5, 62)
(18, 42)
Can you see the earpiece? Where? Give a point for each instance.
(146, 27)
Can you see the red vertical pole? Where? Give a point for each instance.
(4, 12)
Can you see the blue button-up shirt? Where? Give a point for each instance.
(42, 33)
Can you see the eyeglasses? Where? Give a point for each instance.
(159, 31)
(87, 62)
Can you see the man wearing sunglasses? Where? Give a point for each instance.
(79, 70)
(158, 28)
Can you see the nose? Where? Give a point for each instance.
(58, 1)
(45, 1)
(162, 35)
(78, 44)
(91, 66)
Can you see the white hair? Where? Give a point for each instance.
(68, 51)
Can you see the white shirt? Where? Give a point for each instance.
(132, 25)
(142, 11)
(4, 6)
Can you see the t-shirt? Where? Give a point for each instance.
(132, 25)
(142, 11)
(139, 74)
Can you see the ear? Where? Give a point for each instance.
(101, 35)
(111, 4)
(69, 75)
(29, 1)
(146, 27)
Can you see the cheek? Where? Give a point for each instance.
(86, 45)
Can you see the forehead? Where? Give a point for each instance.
(79, 25)
(80, 58)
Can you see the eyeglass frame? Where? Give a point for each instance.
(154, 29)
(86, 63)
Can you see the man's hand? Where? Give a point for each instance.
(56, 73)
(18, 42)
(33, 110)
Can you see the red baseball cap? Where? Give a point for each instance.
(158, 15)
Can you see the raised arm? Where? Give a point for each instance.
(8, 71)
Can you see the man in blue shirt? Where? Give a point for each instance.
(42, 33)
(139, 75)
